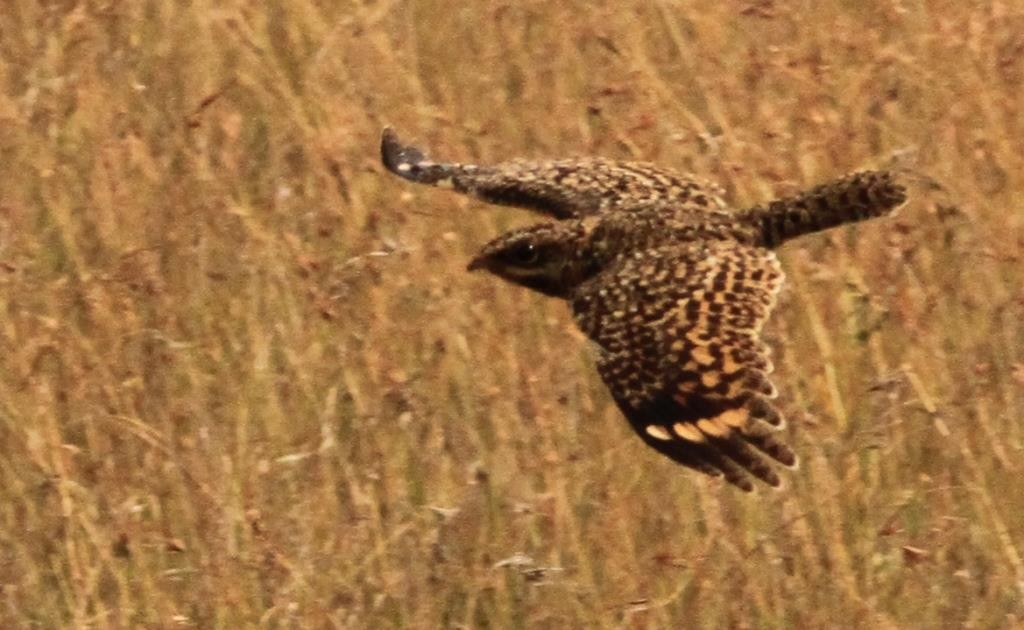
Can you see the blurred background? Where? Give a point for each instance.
(245, 380)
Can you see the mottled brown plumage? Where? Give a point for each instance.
(563, 189)
(672, 286)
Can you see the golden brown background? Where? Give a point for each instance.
(245, 381)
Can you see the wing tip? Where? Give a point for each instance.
(397, 157)
(743, 483)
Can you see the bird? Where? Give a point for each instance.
(670, 283)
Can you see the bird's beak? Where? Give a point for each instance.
(475, 264)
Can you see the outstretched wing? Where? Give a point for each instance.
(564, 189)
(678, 329)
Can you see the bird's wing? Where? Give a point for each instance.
(564, 189)
(678, 329)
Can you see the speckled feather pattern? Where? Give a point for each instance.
(671, 285)
(677, 327)
(561, 188)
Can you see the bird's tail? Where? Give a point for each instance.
(853, 198)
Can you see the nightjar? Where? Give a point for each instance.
(671, 284)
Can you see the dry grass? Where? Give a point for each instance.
(245, 381)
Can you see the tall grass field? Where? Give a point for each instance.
(245, 380)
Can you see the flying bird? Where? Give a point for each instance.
(671, 284)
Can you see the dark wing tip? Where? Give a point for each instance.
(397, 158)
(742, 483)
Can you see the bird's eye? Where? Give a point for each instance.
(525, 254)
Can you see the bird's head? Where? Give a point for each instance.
(549, 257)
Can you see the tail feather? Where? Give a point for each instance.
(853, 198)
